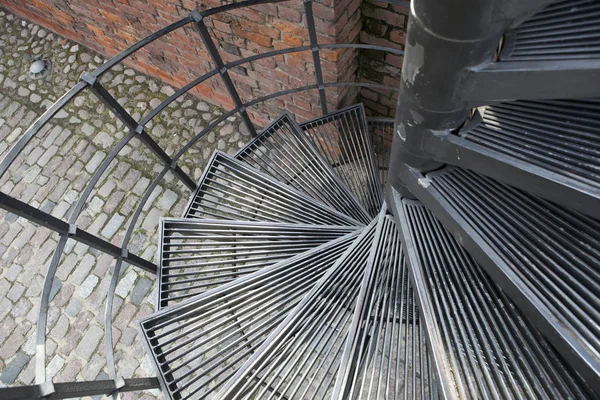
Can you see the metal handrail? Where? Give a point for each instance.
(90, 81)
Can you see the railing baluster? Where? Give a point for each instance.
(120, 112)
(314, 47)
(218, 61)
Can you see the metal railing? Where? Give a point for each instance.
(68, 229)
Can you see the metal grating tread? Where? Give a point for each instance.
(382, 133)
(198, 255)
(484, 346)
(562, 137)
(545, 257)
(394, 361)
(300, 359)
(284, 152)
(565, 30)
(200, 343)
(231, 189)
(343, 139)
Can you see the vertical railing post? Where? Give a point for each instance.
(314, 47)
(220, 66)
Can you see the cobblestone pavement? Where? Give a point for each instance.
(51, 174)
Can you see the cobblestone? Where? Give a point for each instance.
(52, 172)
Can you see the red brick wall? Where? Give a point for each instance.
(109, 26)
(383, 25)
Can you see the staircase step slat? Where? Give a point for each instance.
(344, 140)
(198, 255)
(549, 148)
(489, 348)
(230, 189)
(546, 258)
(300, 359)
(387, 357)
(199, 344)
(283, 152)
(564, 30)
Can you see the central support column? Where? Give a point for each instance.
(444, 40)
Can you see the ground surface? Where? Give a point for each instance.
(51, 174)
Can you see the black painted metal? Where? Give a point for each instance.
(540, 257)
(220, 66)
(483, 344)
(344, 140)
(302, 355)
(230, 189)
(565, 30)
(198, 344)
(284, 152)
(546, 258)
(314, 47)
(133, 126)
(198, 255)
(70, 390)
(549, 148)
(382, 133)
(385, 355)
(90, 82)
(46, 220)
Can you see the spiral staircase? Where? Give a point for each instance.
(306, 268)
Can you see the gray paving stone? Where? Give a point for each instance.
(90, 341)
(115, 223)
(126, 283)
(54, 367)
(16, 291)
(14, 368)
(92, 368)
(95, 162)
(140, 290)
(87, 287)
(60, 328)
(167, 200)
(74, 307)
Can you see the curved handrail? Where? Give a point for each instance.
(89, 81)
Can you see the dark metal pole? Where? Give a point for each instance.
(48, 221)
(120, 112)
(220, 65)
(314, 47)
(445, 41)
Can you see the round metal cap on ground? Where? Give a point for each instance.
(39, 69)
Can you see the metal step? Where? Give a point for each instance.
(343, 139)
(200, 343)
(385, 355)
(198, 255)
(565, 30)
(545, 258)
(482, 345)
(382, 133)
(284, 152)
(231, 189)
(549, 148)
(301, 357)
(553, 54)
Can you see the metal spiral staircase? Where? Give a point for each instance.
(301, 269)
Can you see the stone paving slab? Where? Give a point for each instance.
(52, 173)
